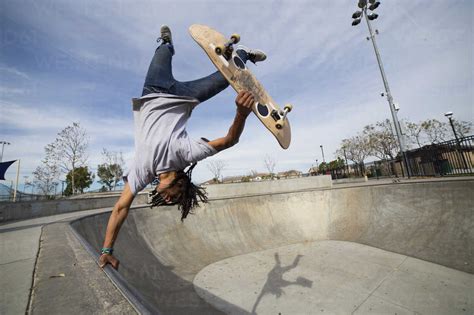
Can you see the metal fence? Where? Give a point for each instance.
(449, 158)
(7, 194)
(20, 196)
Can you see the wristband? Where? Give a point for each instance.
(107, 250)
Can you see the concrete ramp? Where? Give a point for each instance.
(161, 257)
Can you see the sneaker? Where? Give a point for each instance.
(254, 55)
(165, 36)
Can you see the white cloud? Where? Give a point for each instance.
(30, 129)
(5, 70)
(316, 60)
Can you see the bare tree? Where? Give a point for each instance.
(216, 168)
(381, 140)
(414, 133)
(463, 128)
(356, 149)
(270, 164)
(435, 130)
(70, 147)
(48, 173)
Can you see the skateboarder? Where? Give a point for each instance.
(163, 148)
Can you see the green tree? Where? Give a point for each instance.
(109, 175)
(82, 179)
(336, 167)
(111, 171)
(323, 167)
(245, 179)
(337, 164)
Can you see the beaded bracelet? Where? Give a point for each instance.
(107, 251)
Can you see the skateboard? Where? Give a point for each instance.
(221, 52)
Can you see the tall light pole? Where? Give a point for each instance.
(3, 147)
(357, 17)
(322, 152)
(449, 115)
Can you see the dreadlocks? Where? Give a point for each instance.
(189, 196)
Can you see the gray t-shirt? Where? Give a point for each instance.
(161, 141)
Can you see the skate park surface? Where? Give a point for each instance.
(374, 248)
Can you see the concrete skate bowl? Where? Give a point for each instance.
(160, 256)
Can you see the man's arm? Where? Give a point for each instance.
(116, 219)
(244, 102)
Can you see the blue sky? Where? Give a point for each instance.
(82, 61)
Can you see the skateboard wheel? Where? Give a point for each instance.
(288, 107)
(235, 38)
(219, 50)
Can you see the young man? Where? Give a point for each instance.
(163, 148)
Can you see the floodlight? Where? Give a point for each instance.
(373, 16)
(374, 6)
(362, 3)
(355, 22)
(357, 14)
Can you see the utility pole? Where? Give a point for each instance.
(3, 147)
(357, 16)
(449, 115)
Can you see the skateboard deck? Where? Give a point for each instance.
(220, 51)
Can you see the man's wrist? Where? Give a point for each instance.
(242, 115)
(107, 251)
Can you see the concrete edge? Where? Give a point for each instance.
(63, 230)
(131, 295)
(7, 217)
(33, 275)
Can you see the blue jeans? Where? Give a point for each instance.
(160, 78)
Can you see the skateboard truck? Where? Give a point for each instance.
(226, 49)
(280, 117)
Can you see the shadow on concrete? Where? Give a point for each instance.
(155, 286)
(275, 282)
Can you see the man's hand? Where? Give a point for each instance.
(244, 102)
(105, 259)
